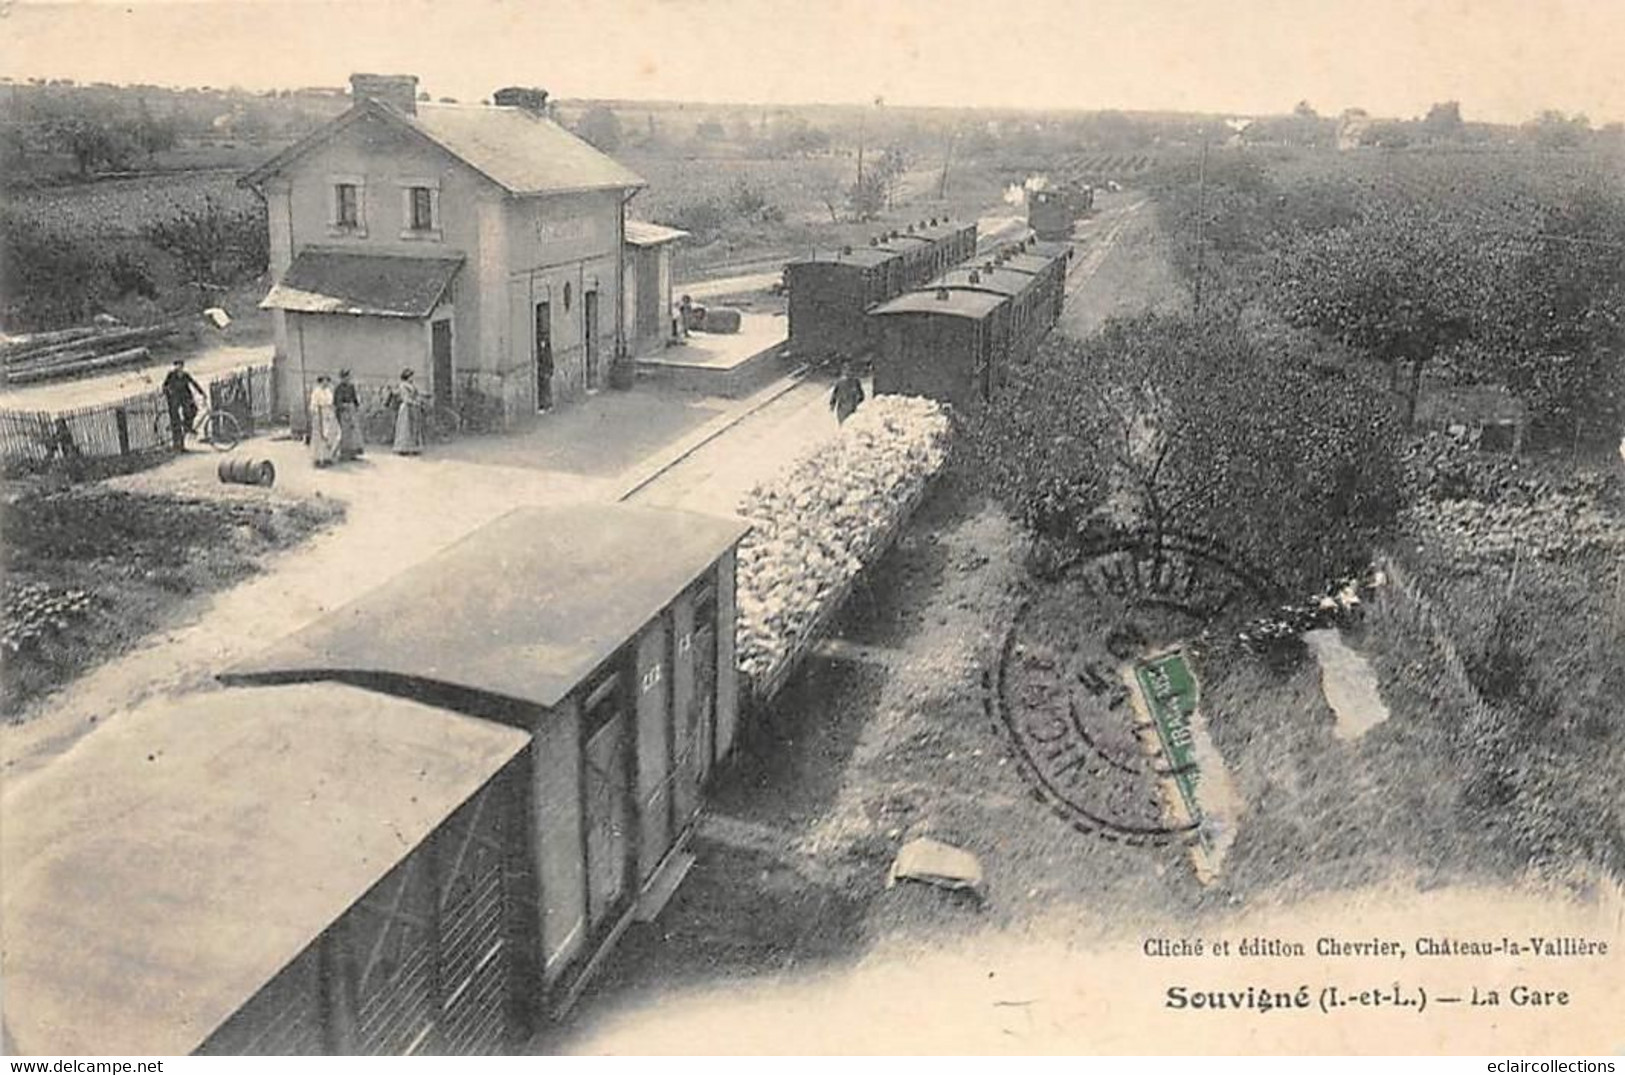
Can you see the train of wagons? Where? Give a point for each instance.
(935, 318)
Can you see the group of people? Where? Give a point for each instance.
(335, 419)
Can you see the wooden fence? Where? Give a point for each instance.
(133, 426)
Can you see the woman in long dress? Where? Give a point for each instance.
(324, 423)
(348, 403)
(409, 418)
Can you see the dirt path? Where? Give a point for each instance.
(1121, 267)
(107, 388)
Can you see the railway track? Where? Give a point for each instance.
(1085, 267)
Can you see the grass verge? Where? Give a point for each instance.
(90, 572)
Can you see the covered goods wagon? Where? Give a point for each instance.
(446, 799)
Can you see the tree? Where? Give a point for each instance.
(1556, 317)
(91, 140)
(1553, 130)
(1443, 121)
(214, 245)
(1401, 284)
(602, 127)
(866, 197)
(1164, 427)
(888, 170)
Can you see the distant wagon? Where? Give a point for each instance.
(830, 292)
(955, 338)
(941, 344)
(1052, 213)
(409, 827)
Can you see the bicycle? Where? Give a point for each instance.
(220, 429)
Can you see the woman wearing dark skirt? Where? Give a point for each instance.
(348, 402)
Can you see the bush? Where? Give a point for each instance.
(1163, 425)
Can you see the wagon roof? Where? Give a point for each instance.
(173, 861)
(961, 302)
(903, 243)
(864, 257)
(1028, 263)
(339, 282)
(521, 611)
(997, 281)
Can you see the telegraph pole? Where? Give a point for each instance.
(1201, 221)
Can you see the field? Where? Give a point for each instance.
(743, 210)
(91, 572)
(125, 206)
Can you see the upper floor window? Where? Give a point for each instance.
(349, 205)
(422, 209)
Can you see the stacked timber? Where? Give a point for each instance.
(824, 519)
(49, 356)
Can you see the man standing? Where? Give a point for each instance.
(848, 394)
(181, 393)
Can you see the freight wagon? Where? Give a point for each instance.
(829, 293)
(407, 828)
(1051, 213)
(954, 339)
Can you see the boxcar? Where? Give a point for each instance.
(307, 869)
(829, 295)
(409, 827)
(939, 343)
(1052, 213)
(605, 631)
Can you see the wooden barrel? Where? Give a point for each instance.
(725, 321)
(247, 472)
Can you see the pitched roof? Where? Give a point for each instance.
(336, 282)
(523, 609)
(518, 150)
(171, 863)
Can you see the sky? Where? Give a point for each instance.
(1504, 60)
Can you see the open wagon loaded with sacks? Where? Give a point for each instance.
(820, 523)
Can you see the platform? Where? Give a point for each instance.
(731, 365)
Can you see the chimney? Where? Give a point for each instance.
(400, 92)
(532, 99)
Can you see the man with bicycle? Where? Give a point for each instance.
(181, 393)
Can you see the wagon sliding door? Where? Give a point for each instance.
(654, 771)
(694, 696)
(606, 799)
(427, 958)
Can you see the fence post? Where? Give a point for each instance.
(122, 420)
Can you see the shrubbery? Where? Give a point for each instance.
(1164, 425)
